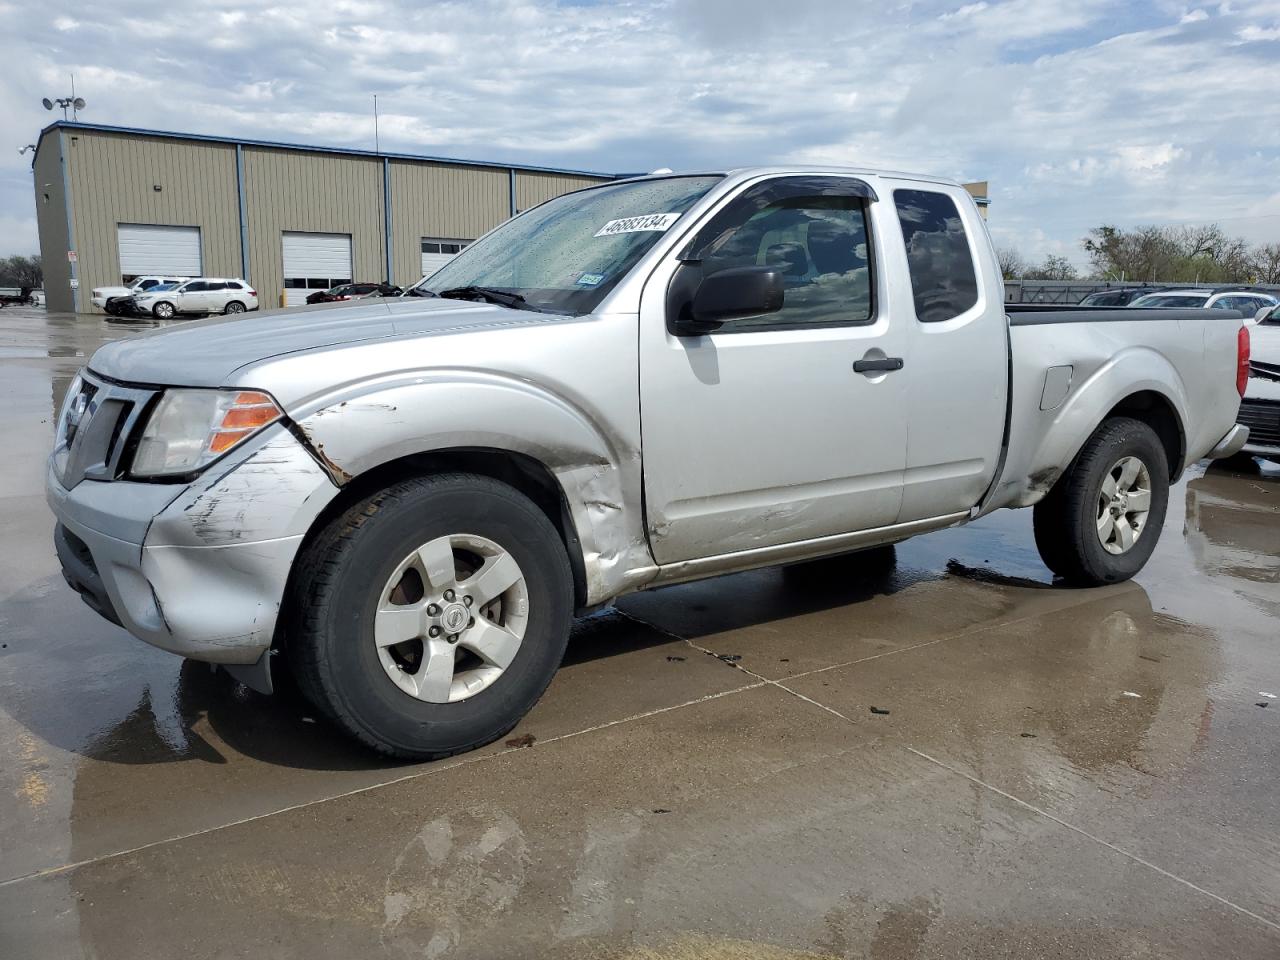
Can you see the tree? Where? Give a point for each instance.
(1054, 267)
(1264, 263)
(1012, 264)
(21, 272)
(1174, 254)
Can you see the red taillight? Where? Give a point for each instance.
(253, 293)
(1242, 360)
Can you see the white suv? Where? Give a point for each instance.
(1247, 302)
(111, 299)
(201, 295)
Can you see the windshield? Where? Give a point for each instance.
(162, 286)
(1157, 300)
(567, 254)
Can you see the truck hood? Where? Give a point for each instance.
(205, 353)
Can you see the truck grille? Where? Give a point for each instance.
(1262, 417)
(95, 426)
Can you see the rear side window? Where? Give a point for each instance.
(944, 283)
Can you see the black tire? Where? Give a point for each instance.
(163, 310)
(233, 306)
(336, 589)
(1066, 520)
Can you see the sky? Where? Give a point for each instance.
(1079, 112)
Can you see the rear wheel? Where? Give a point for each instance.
(430, 617)
(1100, 522)
(163, 310)
(235, 306)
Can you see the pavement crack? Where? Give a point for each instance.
(439, 768)
(1095, 838)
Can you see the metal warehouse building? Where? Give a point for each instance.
(113, 203)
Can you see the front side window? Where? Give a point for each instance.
(812, 229)
(565, 255)
(944, 283)
(195, 286)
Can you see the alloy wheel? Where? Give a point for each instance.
(1124, 502)
(451, 618)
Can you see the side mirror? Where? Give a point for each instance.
(1262, 314)
(698, 305)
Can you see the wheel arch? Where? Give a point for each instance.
(1157, 411)
(520, 471)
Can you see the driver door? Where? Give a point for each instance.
(762, 432)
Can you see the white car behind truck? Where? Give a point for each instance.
(108, 299)
(1260, 408)
(645, 382)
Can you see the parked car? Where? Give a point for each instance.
(1260, 408)
(383, 290)
(354, 291)
(696, 374)
(1231, 298)
(201, 295)
(1118, 297)
(16, 296)
(111, 299)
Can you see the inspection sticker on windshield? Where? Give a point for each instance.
(589, 279)
(656, 222)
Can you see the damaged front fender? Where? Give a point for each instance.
(459, 410)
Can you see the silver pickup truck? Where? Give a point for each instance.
(641, 383)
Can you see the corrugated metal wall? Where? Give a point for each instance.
(316, 193)
(438, 200)
(112, 178)
(535, 188)
(51, 221)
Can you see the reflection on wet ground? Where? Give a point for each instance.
(929, 751)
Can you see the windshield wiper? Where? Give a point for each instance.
(419, 292)
(503, 298)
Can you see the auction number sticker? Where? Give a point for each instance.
(654, 222)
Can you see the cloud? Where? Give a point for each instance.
(1077, 113)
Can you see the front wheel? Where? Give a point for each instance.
(429, 618)
(163, 310)
(1100, 522)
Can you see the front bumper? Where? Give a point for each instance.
(198, 570)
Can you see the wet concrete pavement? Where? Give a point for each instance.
(1046, 771)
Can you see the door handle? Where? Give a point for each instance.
(870, 366)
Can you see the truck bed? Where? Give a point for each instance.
(1074, 366)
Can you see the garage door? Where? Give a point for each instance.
(315, 261)
(437, 252)
(167, 251)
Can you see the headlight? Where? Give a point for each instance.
(189, 429)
